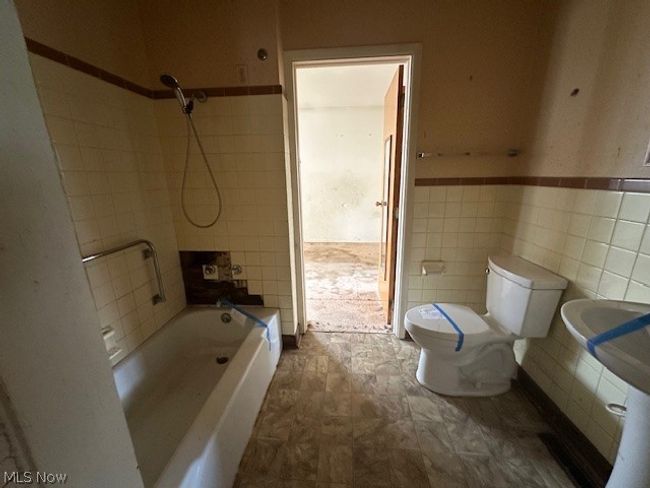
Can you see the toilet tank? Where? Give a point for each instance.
(521, 296)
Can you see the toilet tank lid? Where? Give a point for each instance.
(525, 273)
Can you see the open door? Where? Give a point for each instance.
(393, 128)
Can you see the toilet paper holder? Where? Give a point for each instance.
(433, 267)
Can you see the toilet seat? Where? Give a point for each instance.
(427, 322)
(476, 360)
(463, 353)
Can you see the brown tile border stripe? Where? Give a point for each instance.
(226, 91)
(641, 185)
(89, 69)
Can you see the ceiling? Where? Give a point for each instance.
(343, 86)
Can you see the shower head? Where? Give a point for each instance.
(171, 82)
(168, 80)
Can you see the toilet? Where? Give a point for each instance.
(467, 354)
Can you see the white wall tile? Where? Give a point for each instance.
(612, 286)
(600, 256)
(641, 271)
(620, 261)
(594, 253)
(628, 234)
(108, 152)
(243, 137)
(601, 229)
(635, 207)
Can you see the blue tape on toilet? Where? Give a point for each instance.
(461, 336)
(621, 330)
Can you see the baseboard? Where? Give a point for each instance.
(569, 445)
(291, 341)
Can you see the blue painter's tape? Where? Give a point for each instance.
(461, 336)
(249, 315)
(618, 331)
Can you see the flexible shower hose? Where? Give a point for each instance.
(191, 129)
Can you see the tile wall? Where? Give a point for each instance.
(110, 161)
(244, 140)
(462, 226)
(599, 240)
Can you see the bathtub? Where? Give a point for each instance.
(190, 417)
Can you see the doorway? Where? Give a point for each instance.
(350, 124)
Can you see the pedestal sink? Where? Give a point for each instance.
(628, 357)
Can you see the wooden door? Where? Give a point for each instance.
(393, 128)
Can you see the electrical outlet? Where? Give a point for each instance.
(646, 159)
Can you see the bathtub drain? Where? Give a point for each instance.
(222, 359)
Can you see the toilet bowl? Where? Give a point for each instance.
(467, 354)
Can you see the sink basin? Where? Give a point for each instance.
(628, 357)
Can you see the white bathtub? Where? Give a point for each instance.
(190, 418)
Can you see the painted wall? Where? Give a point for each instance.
(206, 42)
(106, 33)
(110, 161)
(480, 68)
(52, 357)
(482, 65)
(341, 172)
(602, 49)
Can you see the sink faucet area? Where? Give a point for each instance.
(617, 334)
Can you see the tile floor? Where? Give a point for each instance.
(345, 410)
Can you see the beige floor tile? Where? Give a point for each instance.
(483, 472)
(263, 458)
(310, 403)
(335, 463)
(385, 433)
(305, 429)
(443, 465)
(337, 404)
(338, 382)
(346, 411)
(371, 467)
(336, 430)
(300, 461)
(407, 469)
(387, 406)
(424, 408)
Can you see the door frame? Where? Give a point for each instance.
(407, 54)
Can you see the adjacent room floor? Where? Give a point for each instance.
(341, 287)
(345, 410)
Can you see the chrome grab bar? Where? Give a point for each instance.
(150, 252)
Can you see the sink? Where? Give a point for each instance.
(628, 357)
